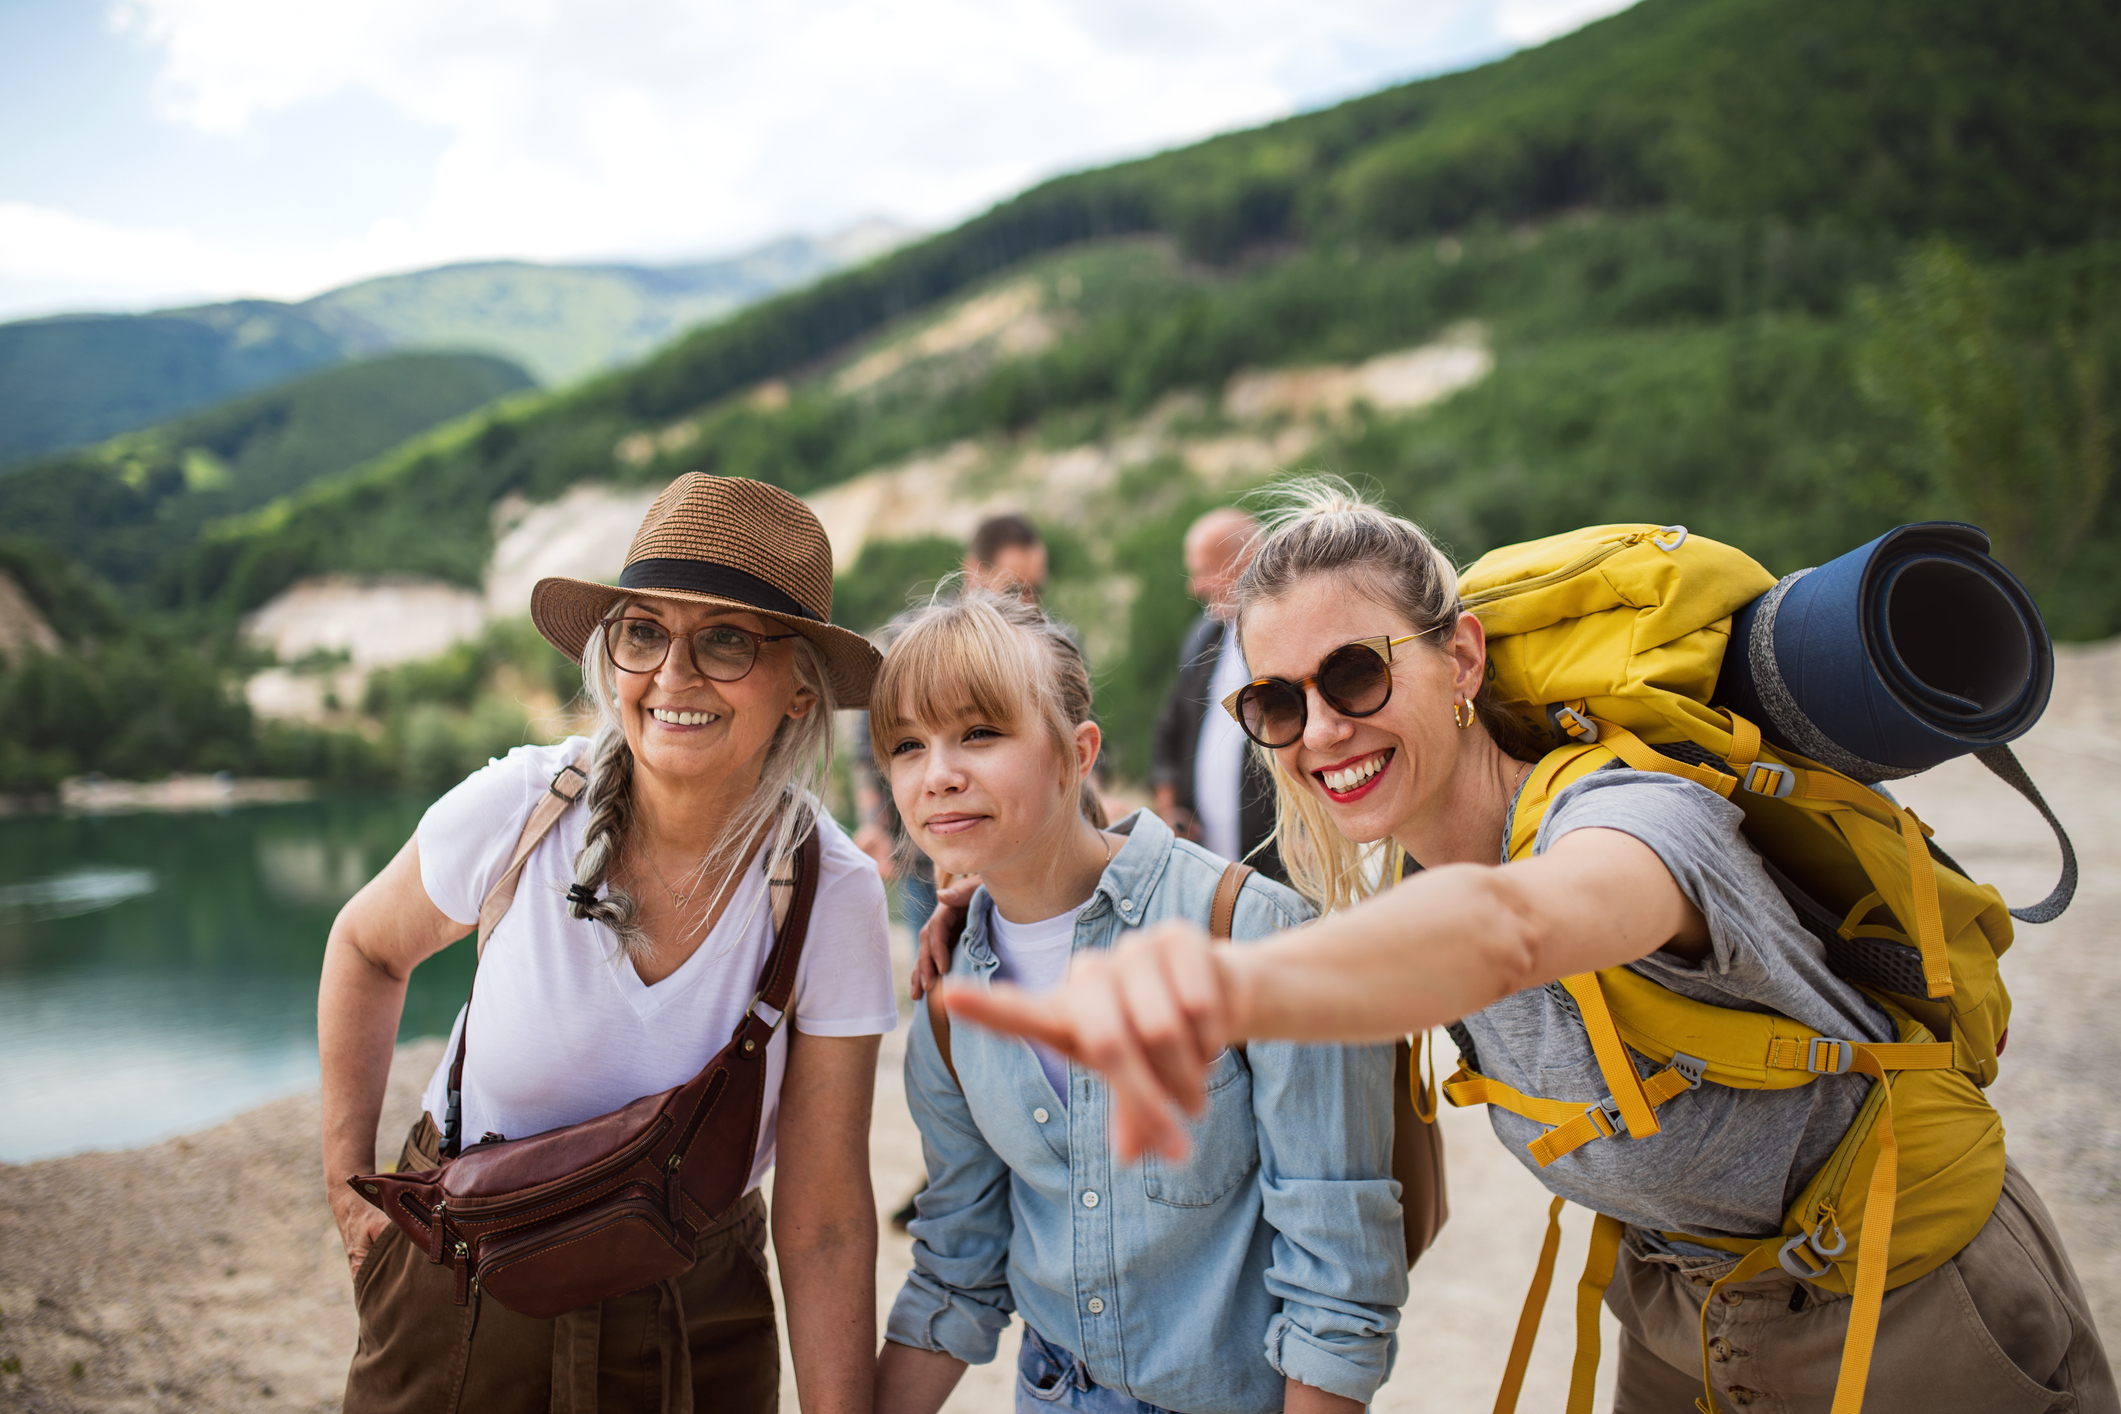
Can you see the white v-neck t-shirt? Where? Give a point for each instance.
(562, 1027)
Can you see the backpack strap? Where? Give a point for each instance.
(2011, 772)
(1220, 914)
(794, 890)
(566, 787)
(1223, 912)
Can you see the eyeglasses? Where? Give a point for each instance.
(1355, 679)
(722, 652)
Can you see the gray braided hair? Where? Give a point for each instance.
(793, 774)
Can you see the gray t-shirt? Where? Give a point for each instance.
(1727, 1162)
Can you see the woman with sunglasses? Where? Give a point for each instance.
(1372, 708)
(634, 945)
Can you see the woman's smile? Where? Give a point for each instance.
(1351, 780)
(951, 822)
(682, 719)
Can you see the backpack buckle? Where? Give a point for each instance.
(1769, 778)
(1572, 724)
(1796, 1254)
(1605, 1118)
(1691, 1068)
(1795, 1260)
(1827, 1055)
(570, 796)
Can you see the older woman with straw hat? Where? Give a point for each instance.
(634, 944)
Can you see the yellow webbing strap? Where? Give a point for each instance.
(1852, 922)
(1535, 1302)
(1590, 1296)
(1814, 786)
(1466, 1088)
(1591, 1123)
(1613, 1061)
(1873, 1239)
(1644, 757)
(1824, 788)
(1873, 1246)
(1575, 1123)
(1788, 1054)
(1929, 914)
(1745, 744)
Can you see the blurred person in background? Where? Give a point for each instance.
(1008, 556)
(1208, 786)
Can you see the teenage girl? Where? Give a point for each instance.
(1264, 1274)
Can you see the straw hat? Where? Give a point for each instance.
(725, 541)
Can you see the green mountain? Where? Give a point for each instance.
(564, 321)
(74, 379)
(1786, 271)
(123, 507)
(78, 378)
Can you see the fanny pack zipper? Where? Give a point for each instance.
(588, 1178)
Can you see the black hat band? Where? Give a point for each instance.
(707, 577)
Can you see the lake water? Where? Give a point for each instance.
(158, 973)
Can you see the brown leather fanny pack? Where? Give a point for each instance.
(560, 1220)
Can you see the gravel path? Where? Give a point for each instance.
(204, 1273)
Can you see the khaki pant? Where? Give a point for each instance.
(420, 1354)
(2002, 1327)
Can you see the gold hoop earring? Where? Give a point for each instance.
(1462, 714)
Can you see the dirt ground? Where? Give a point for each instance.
(204, 1273)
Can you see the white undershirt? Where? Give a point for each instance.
(1219, 756)
(1034, 956)
(562, 1027)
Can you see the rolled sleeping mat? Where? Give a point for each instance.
(1897, 656)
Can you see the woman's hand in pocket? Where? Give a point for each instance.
(360, 1224)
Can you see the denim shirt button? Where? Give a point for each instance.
(1090, 1199)
(1126, 905)
(1040, 1114)
(1096, 1305)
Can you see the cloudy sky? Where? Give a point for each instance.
(161, 151)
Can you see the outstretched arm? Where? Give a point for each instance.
(384, 931)
(1153, 1013)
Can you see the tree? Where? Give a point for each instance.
(2017, 437)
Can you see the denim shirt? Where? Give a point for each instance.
(1274, 1251)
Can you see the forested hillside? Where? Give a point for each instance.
(1780, 127)
(78, 378)
(126, 506)
(1787, 271)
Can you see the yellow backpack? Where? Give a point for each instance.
(1614, 636)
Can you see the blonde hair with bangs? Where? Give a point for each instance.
(972, 652)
